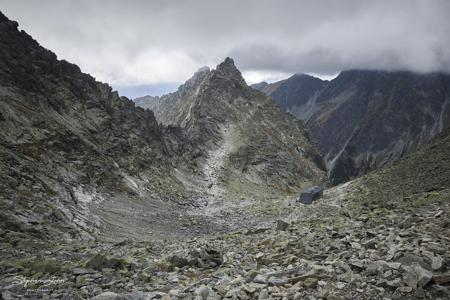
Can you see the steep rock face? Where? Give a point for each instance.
(368, 119)
(364, 120)
(66, 141)
(242, 135)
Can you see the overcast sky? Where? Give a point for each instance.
(149, 47)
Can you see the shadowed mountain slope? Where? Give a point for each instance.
(364, 120)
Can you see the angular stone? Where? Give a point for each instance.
(99, 262)
(259, 279)
(203, 291)
(82, 271)
(310, 282)
(416, 276)
(264, 294)
(370, 244)
(437, 262)
(441, 278)
(273, 281)
(109, 296)
(405, 289)
(282, 225)
(372, 269)
(409, 259)
(357, 264)
(394, 283)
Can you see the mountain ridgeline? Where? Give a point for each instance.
(364, 120)
(244, 138)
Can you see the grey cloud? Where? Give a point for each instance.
(132, 43)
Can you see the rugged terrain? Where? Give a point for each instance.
(245, 140)
(73, 152)
(383, 236)
(364, 120)
(78, 160)
(100, 201)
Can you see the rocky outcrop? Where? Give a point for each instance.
(364, 120)
(242, 136)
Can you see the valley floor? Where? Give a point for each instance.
(340, 247)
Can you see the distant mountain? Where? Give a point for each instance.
(243, 136)
(295, 93)
(364, 120)
(146, 102)
(259, 86)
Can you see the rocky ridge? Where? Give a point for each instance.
(245, 139)
(71, 146)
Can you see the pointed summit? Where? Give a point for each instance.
(228, 69)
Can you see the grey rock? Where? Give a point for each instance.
(416, 276)
(263, 294)
(282, 225)
(260, 279)
(110, 296)
(437, 262)
(203, 291)
(409, 259)
(83, 271)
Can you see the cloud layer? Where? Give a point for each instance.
(139, 43)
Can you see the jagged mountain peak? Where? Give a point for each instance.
(242, 136)
(228, 69)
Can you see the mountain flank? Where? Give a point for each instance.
(364, 120)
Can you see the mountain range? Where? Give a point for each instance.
(241, 131)
(364, 120)
(193, 195)
(76, 156)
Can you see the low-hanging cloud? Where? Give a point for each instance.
(141, 42)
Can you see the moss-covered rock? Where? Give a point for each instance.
(99, 262)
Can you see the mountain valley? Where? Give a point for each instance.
(194, 194)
